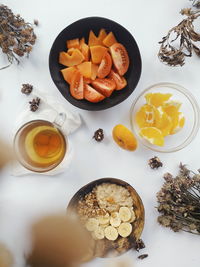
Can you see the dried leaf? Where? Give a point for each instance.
(173, 50)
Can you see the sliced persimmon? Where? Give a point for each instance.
(120, 58)
(104, 86)
(92, 95)
(120, 81)
(70, 60)
(105, 66)
(109, 39)
(85, 69)
(76, 86)
(97, 53)
(94, 40)
(82, 41)
(94, 71)
(85, 50)
(102, 35)
(87, 80)
(70, 51)
(68, 73)
(74, 43)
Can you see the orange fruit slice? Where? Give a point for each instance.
(157, 99)
(124, 137)
(164, 123)
(147, 116)
(152, 135)
(178, 123)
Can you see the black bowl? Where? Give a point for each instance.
(80, 29)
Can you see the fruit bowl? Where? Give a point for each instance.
(138, 224)
(189, 108)
(79, 29)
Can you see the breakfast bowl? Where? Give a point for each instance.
(113, 212)
(81, 29)
(181, 111)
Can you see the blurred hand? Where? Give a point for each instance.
(59, 241)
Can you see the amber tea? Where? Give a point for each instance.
(40, 146)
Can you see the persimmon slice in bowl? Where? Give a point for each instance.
(80, 29)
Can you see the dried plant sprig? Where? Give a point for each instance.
(16, 36)
(179, 201)
(180, 40)
(196, 3)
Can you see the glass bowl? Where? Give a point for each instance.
(189, 108)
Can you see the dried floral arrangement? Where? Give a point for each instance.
(16, 36)
(179, 201)
(182, 40)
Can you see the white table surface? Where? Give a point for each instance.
(22, 199)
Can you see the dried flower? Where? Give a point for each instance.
(36, 22)
(179, 201)
(99, 135)
(16, 35)
(155, 163)
(143, 256)
(180, 42)
(34, 104)
(26, 88)
(196, 3)
(139, 244)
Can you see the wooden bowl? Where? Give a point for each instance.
(138, 224)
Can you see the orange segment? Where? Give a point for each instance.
(164, 123)
(147, 116)
(109, 40)
(68, 73)
(70, 60)
(157, 99)
(124, 137)
(97, 53)
(178, 123)
(152, 135)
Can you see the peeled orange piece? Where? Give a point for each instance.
(171, 107)
(157, 99)
(164, 123)
(124, 137)
(147, 116)
(172, 110)
(153, 135)
(178, 123)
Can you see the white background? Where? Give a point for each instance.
(22, 199)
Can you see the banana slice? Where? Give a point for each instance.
(104, 219)
(133, 216)
(125, 229)
(115, 220)
(92, 224)
(99, 233)
(124, 214)
(111, 233)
